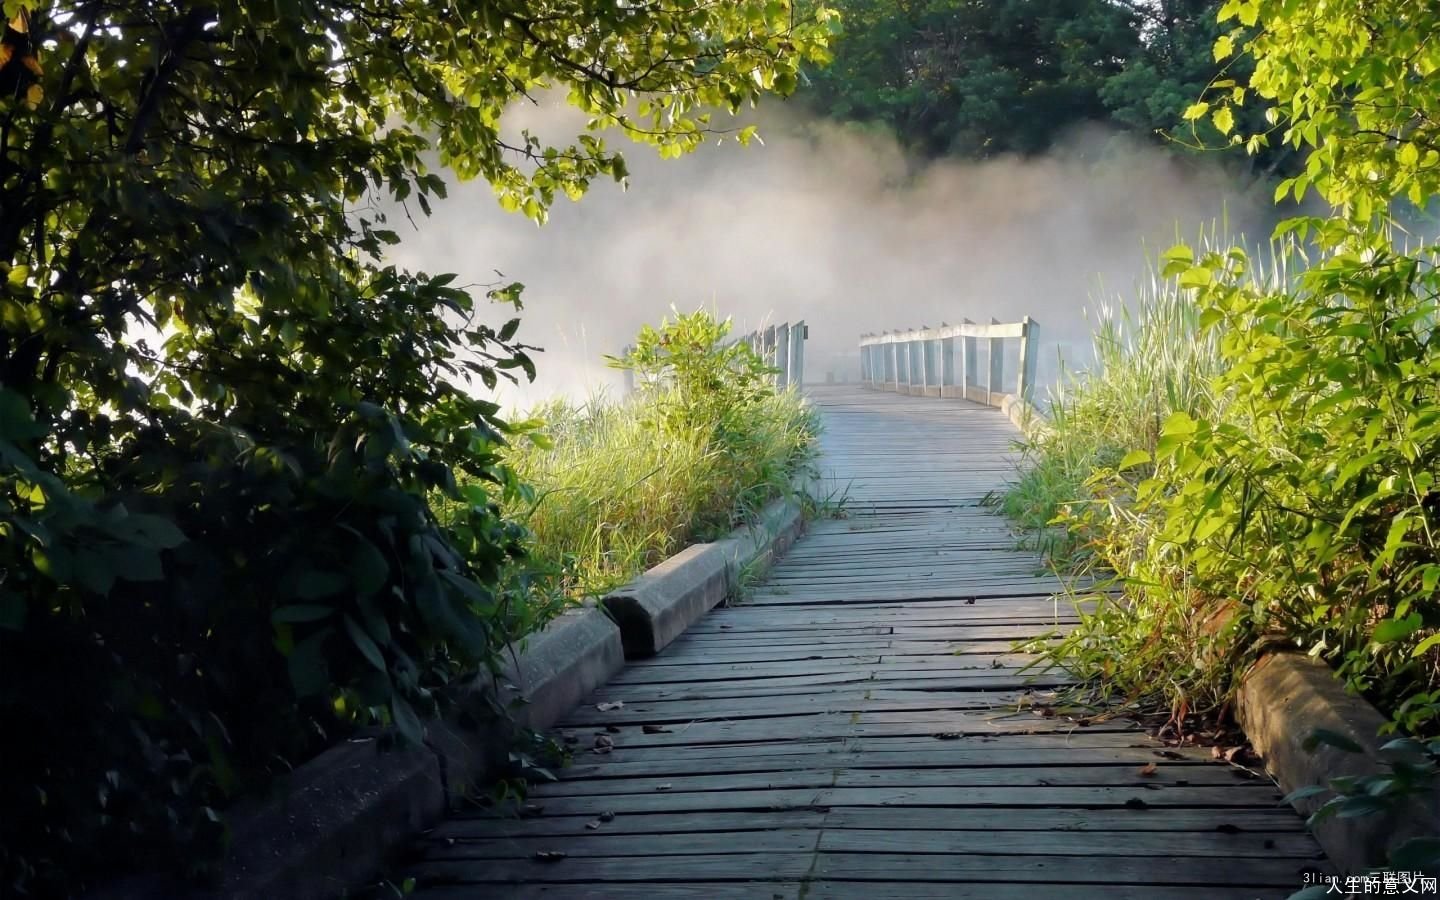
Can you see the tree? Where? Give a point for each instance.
(975, 77)
(223, 418)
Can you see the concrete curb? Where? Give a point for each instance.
(570, 657)
(657, 607)
(339, 817)
(1281, 701)
(336, 822)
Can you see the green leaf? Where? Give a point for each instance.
(309, 673)
(1391, 630)
(1304, 793)
(1196, 110)
(16, 422)
(1363, 805)
(1134, 458)
(369, 570)
(365, 644)
(1425, 646)
(1332, 739)
(156, 531)
(1196, 277)
(301, 612)
(1419, 854)
(1179, 253)
(1180, 424)
(1224, 120)
(406, 720)
(316, 583)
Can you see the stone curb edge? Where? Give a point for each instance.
(1284, 697)
(657, 607)
(343, 814)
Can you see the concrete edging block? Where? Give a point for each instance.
(1281, 701)
(755, 548)
(336, 821)
(340, 816)
(657, 607)
(571, 656)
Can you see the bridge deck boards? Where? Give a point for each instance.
(862, 727)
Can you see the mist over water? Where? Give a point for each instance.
(830, 224)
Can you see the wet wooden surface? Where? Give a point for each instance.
(860, 726)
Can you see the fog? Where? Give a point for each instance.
(830, 224)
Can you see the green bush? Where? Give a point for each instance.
(1299, 501)
(225, 419)
(616, 486)
(1149, 360)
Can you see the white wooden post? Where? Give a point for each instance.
(920, 346)
(799, 332)
(937, 351)
(782, 355)
(996, 376)
(947, 362)
(767, 346)
(1029, 339)
(968, 363)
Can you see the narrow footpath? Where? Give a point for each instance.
(859, 727)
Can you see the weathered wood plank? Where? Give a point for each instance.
(1106, 870)
(819, 775)
(1100, 870)
(858, 727)
(910, 759)
(1263, 823)
(595, 844)
(681, 799)
(724, 867)
(912, 890)
(653, 890)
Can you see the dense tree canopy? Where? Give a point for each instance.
(977, 78)
(222, 418)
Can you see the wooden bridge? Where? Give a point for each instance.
(859, 726)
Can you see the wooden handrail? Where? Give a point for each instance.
(945, 332)
(783, 348)
(922, 360)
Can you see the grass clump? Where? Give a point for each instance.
(1256, 462)
(1151, 359)
(614, 486)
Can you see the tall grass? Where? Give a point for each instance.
(1150, 360)
(612, 493)
(1160, 639)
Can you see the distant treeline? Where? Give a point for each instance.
(981, 78)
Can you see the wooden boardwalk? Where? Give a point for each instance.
(859, 727)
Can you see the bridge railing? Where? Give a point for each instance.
(943, 362)
(782, 347)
